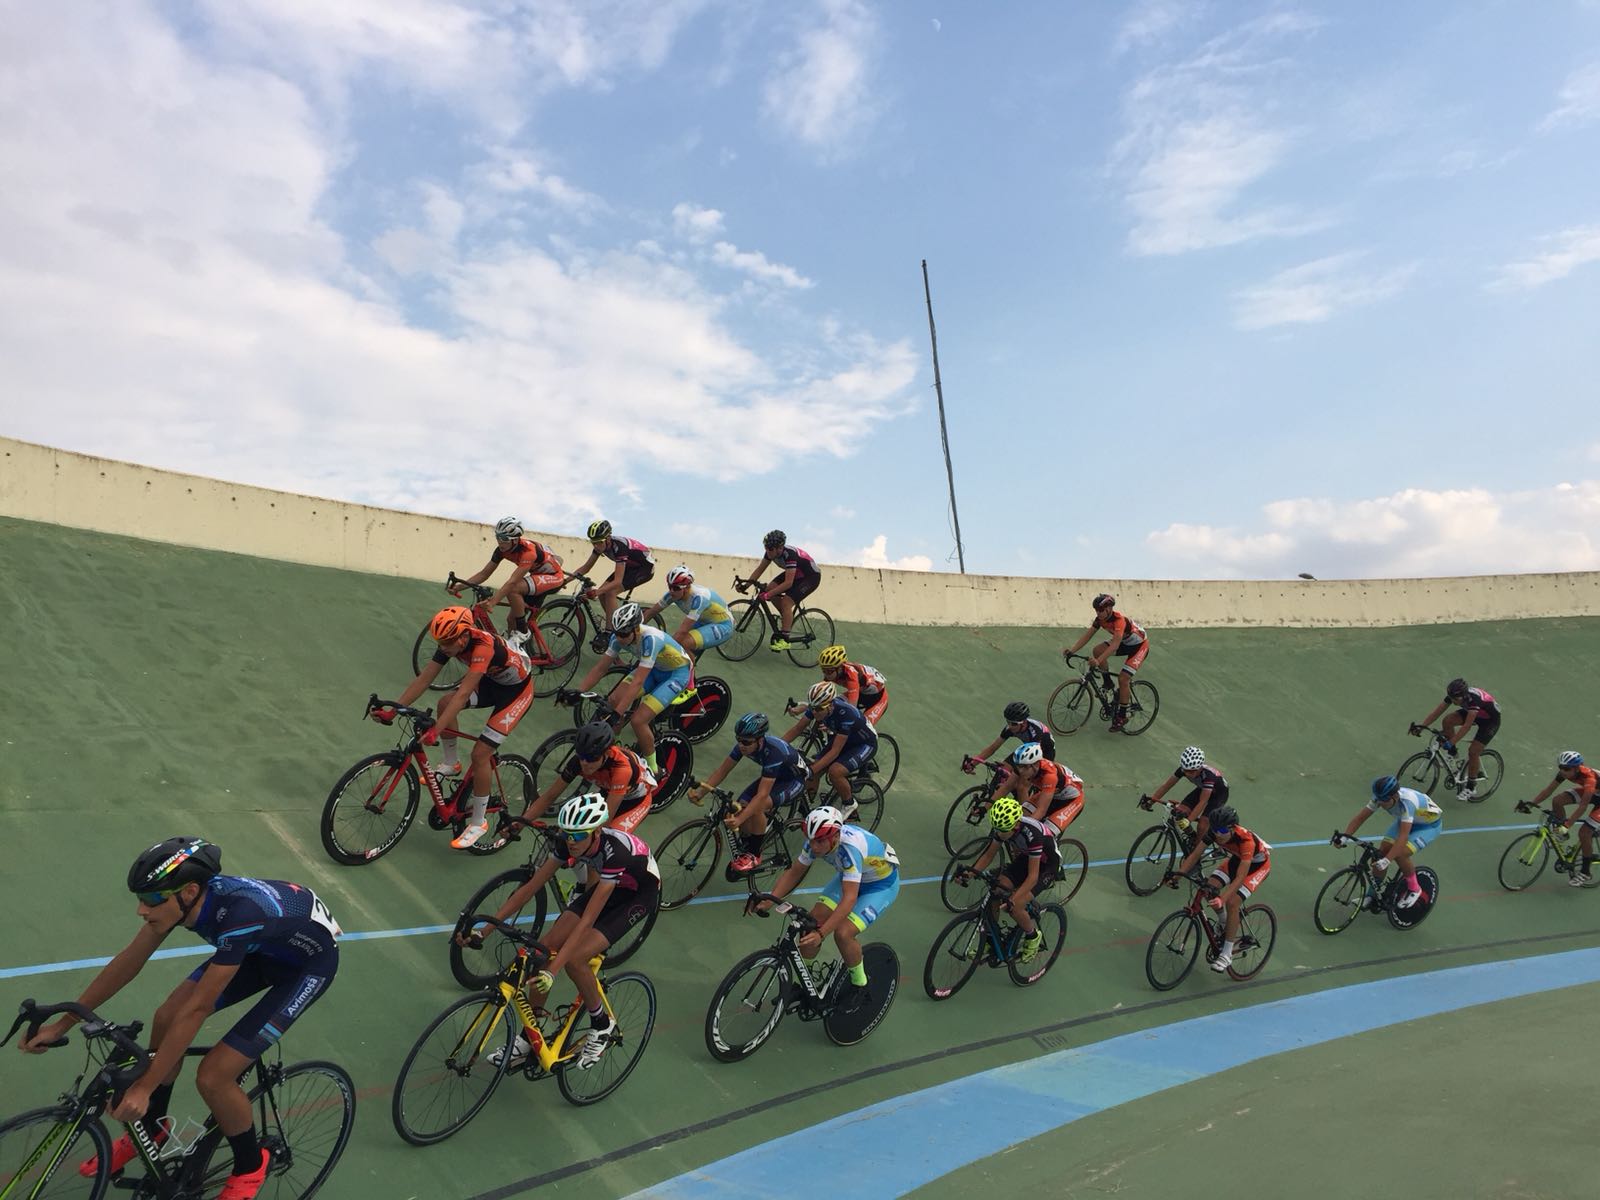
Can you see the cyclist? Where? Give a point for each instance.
(1126, 639)
(1475, 708)
(1237, 878)
(1417, 821)
(1020, 725)
(618, 885)
(867, 882)
(1585, 793)
(660, 673)
(798, 577)
(272, 939)
(863, 686)
(1035, 864)
(1048, 791)
(536, 569)
(706, 619)
(782, 782)
(634, 565)
(498, 677)
(614, 772)
(852, 742)
(1210, 788)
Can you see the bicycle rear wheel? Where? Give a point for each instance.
(552, 674)
(1173, 948)
(749, 631)
(1143, 704)
(686, 857)
(450, 675)
(304, 1123)
(450, 1072)
(884, 764)
(1051, 922)
(1410, 918)
(883, 984)
(632, 999)
(513, 792)
(1492, 769)
(747, 1006)
(370, 808)
(586, 711)
(1524, 861)
(1420, 771)
(814, 629)
(565, 611)
(476, 969)
(33, 1143)
(965, 818)
(1340, 900)
(1069, 706)
(1151, 856)
(867, 796)
(626, 946)
(548, 757)
(712, 703)
(1074, 868)
(1258, 933)
(675, 760)
(954, 955)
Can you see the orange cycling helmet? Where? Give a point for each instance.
(450, 623)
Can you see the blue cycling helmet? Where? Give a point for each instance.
(1568, 759)
(751, 725)
(1384, 786)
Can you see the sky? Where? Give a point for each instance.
(1222, 289)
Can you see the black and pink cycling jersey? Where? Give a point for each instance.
(792, 558)
(1477, 703)
(626, 550)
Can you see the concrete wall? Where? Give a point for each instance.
(56, 486)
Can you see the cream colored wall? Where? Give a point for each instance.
(56, 486)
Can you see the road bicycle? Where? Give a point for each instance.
(303, 1113)
(753, 997)
(552, 648)
(969, 812)
(1530, 853)
(1175, 945)
(477, 959)
(959, 894)
(1426, 769)
(883, 766)
(1157, 849)
(374, 802)
(688, 856)
(983, 937)
(1352, 890)
(697, 712)
(582, 613)
(464, 1053)
(1096, 691)
(674, 755)
(755, 623)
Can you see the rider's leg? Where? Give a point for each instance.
(1231, 931)
(1452, 726)
(785, 615)
(581, 973)
(1474, 754)
(840, 778)
(1124, 686)
(519, 612)
(640, 723)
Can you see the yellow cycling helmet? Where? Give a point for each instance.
(831, 657)
(450, 623)
(1004, 814)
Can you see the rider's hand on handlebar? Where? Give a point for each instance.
(567, 696)
(969, 763)
(1170, 879)
(430, 736)
(384, 716)
(1338, 839)
(697, 794)
(1415, 730)
(758, 906)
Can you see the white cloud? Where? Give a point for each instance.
(1579, 100)
(842, 513)
(1315, 291)
(756, 264)
(519, 173)
(1152, 20)
(690, 533)
(1410, 533)
(877, 557)
(820, 92)
(1564, 253)
(696, 223)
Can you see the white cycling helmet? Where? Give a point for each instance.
(1569, 758)
(1029, 754)
(679, 575)
(821, 694)
(507, 529)
(627, 618)
(583, 814)
(1192, 759)
(823, 822)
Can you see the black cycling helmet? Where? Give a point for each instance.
(168, 865)
(1104, 600)
(594, 740)
(1016, 711)
(1222, 820)
(774, 539)
(1384, 786)
(1456, 689)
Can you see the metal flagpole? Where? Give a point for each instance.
(944, 432)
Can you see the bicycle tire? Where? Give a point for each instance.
(884, 776)
(1257, 923)
(819, 626)
(675, 760)
(1420, 771)
(356, 847)
(562, 643)
(476, 969)
(883, 985)
(1144, 702)
(553, 753)
(475, 1069)
(1051, 921)
(964, 897)
(18, 1146)
(1146, 867)
(1524, 860)
(1074, 868)
(966, 814)
(749, 631)
(626, 946)
(1493, 769)
(632, 998)
(718, 698)
(765, 994)
(450, 674)
(1172, 951)
(1342, 896)
(955, 955)
(686, 858)
(1069, 706)
(564, 610)
(513, 792)
(585, 712)
(1409, 918)
(303, 1095)
(867, 796)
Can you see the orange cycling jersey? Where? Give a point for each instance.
(488, 655)
(858, 679)
(533, 557)
(619, 772)
(1587, 783)
(1241, 844)
(1053, 778)
(1124, 630)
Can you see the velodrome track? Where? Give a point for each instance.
(157, 690)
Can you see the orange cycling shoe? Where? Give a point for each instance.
(246, 1187)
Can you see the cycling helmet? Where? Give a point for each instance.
(583, 814)
(821, 694)
(831, 657)
(774, 539)
(752, 725)
(599, 531)
(1016, 711)
(1029, 754)
(1568, 759)
(823, 822)
(507, 529)
(1192, 759)
(1384, 786)
(626, 619)
(594, 740)
(1104, 600)
(450, 623)
(679, 576)
(168, 865)
(1222, 820)
(1456, 689)
(1004, 814)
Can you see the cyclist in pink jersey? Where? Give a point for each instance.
(634, 565)
(798, 577)
(1477, 711)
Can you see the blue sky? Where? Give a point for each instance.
(1222, 289)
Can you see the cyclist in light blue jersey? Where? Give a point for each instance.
(660, 673)
(867, 882)
(706, 619)
(1417, 821)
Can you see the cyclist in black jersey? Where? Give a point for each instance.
(1020, 725)
(1210, 788)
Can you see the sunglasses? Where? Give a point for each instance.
(748, 741)
(575, 835)
(153, 899)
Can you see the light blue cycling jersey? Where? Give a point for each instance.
(655, 649)
(1409, 805)
(860, 856)
(701, 604)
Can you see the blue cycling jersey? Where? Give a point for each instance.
(777, 759)
(702, 605)
(844, 717)
(654, 649)
(281, 921)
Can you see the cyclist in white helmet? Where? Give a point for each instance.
(536, 570)
(659, 672)
(706, 619)
(1583, 790)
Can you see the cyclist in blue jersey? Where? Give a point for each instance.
(1035, 864)
(849, 737)
(782, 782)
(1417, 821)
(867, 882)
(798, 577)
(660, 673)
(706, 619)
(635, 565)
(272, 939)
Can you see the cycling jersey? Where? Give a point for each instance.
(1209, 778)
(489, 654)
(654, 649)
(777, 759)
(860, 856)
(1052, 779)
(857, 680)
(844, 717)
(1585, 781)
(1034, 730)
(702, 604)
(1241, 844)
(626, 550)
(792, 558)
(534, 557)
(1478, 703)
(621, 859)
(1409, 805)
(1124, 630)
(619, 770)
(1034, 839)
(265, 918)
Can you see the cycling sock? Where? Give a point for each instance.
(246, 1151)
(858, 974)
(598, 1019)
(480, 808)
(520, 623)
(1412, 884)
(1587, 863)
(650, 761)
(752, 843)
(1227, 946)
(451, 752)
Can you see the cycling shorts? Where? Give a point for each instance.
(1421, 835)
(1484, 730)
(873, 705)
(290, 989)
(703, 637)
(1133, 655)
(1228, 868)
(661, 688)
(636, 574)
(535, 586)
(510, 702)
(1049, 871)
(1064, 809)
(802, 587)
(622, 911)
(784, 791)
(872, 901)
(853, 758)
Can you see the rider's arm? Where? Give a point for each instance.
(541, 802)
(1397, 846)
(1239, 876)
(594, 557)
(430, 672)
(1022, 894)
(1434, 715)
(1544, 792)
(760, 569)
(614, 584)
(985, 856)
(989, 749)
(1357, 821)
(1193, 857)
(849, 889)
(718, 775)
(504, 590)
(456, 702)
(628, 690)
(1082, 638)
(1165, 787)
(201, 1003)
(791, 877)
(601, 666)
(599, 892)
(826, 758)
(480, 575)
(514, 902)
(1199, 809)
(113, 977)
(798, 728)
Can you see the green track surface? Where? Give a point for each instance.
(159, 690)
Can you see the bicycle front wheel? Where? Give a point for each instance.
(749, 631)
(747, 1006)
(476, 969)
(675, 763)
(1069, 707)
(548, 757)
(954, 956)
(370, 808)
(632, 1000)
(712, 703)
(513, 792)
(1173, 948)
(1491, 770)
(1149, 859)
(1340, 900)
(961, 897)
(965, 818)
(304, 1123)
(453, 1069)
(1258, 933)
(811, 631)
(1051, 923)
(557, 663)
(686, 857)
(1420, 771)
(450, 675)
(1074, 868)
(1524, 861)
(1143, 704)
(867, 796)
(43, 1143)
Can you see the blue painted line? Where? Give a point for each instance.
(373, 935)
(898, 1145)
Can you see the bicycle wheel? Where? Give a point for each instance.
(565, 611)
(1491, 770)
(513, 791)
(846, 1028)
(1151, 856)
(632, 998)
(586, 711)
(34, 1143)
(370, 808)
(1143, 704)
(550, 676)
(1258, 933)
(550, 756)
(814, 628)
(955, 955)
(1074, 868)
(746, 1007)
(687, 856)
(749, 631)
(626, 946)
(963, 897)
(1524, 861)
(1410, 918)
(1069, 707)
(305, 1116)
(675, 767)
(1173, 948)
(1420, 771)
(885, 761)
(965, 819)
(867, 796)
(1051, 922)
(453, 1069)
(476, 969)
(712, 703)
(1340, 900)
(450, 675)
